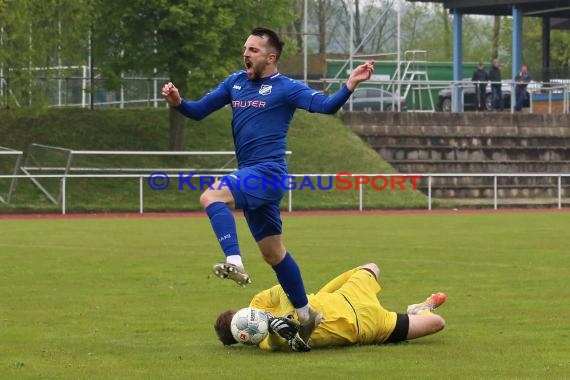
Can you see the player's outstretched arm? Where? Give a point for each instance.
(330, 104)
(199, 109)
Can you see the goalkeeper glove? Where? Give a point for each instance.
(284, 327)
(298, 345)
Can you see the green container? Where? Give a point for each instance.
(418, 94)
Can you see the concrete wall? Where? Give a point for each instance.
(482, 142)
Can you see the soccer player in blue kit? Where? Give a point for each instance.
(263, 102)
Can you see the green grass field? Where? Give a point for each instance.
(125, 298)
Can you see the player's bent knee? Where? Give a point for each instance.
(205, 199)
(373, 267)
(215, 194)
(272, 249)
(273, 256)
(272, 259)
(439, 324)
(208, 197)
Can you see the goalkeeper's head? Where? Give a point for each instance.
(223, 328)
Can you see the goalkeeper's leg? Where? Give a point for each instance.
(422, 320)
(424, 325)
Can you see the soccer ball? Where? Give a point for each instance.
(250, 325)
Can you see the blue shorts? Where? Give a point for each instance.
(258, 191)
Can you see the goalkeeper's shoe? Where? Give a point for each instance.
(232, 272)
(306, 328)
(432, 302)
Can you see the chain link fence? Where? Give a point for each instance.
(74, 86)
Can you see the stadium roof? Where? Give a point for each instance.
(557, 10)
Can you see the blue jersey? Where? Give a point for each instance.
(262, 112)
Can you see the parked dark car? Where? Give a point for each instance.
(374, 99)
(470, 99)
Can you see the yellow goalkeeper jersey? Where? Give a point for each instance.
(349, 304)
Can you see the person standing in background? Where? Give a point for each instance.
(480, 79)
(496, 91)
(521, 81)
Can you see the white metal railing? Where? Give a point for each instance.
(5, 198)
(495, 177)
(71, 154)
(71, 86)
(74, 91)
(549, 90)
(429, 176)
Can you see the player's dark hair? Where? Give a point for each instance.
(223, 328)
(272, 38)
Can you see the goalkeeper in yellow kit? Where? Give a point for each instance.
(352, 314)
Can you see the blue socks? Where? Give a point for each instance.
(224, 226)
(289, 276)
(287, 271)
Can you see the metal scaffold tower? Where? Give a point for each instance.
(415, 78)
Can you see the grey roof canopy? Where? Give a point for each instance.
(555, 14)
(557, 10)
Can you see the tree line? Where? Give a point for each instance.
(197, 43)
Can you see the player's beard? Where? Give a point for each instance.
(255, 71)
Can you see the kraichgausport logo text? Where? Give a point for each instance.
(339, 181)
